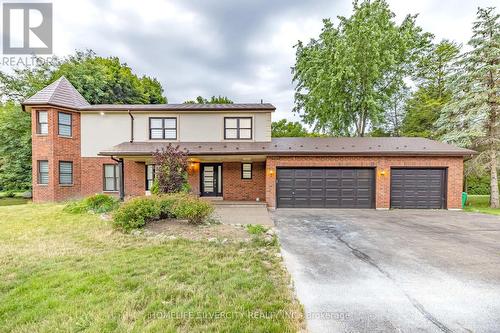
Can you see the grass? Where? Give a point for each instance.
(13, 201)
(72, 272)
(480, 204)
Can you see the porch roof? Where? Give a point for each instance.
(300, 146)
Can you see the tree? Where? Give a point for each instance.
(100, 80)
(346, 76)
(394, 115)
(471, 118)
(424, 107)
(170, 169)
(15, 148)
(284, 128)
(213, 100)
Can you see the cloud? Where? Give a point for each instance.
(241, 49)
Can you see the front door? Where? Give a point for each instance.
(211, 180)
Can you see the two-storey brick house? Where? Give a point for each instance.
(81, 149)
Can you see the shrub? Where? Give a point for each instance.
(170, 169)
(136, 213)
(256, 229)
(167, 202)
(191, 208)
(101, 203)
(75, 207)
(10, 194)
(98, 203)
(478, 185)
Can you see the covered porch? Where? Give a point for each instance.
(225, 179)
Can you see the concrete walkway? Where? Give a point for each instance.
(234, 212)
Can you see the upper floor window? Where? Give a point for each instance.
(163, 128)
(43, 172)
(111, 177)
(238, 128)
(42, 122)
(64, 123)
(65, 173)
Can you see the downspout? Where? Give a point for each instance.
(122, 179)
(131, 126)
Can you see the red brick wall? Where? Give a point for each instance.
(92, 175)
(135, 178)
(54, 148)
(87, 171)
(382, 190)
(235, 188)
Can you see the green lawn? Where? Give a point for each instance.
(13, 201)
(480, 204)
(63, 272)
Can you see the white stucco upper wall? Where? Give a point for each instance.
(101, 131)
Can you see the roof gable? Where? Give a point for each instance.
(59, 93)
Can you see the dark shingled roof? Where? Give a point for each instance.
(62, 93)
(181, 107)
(300, 146)
(59, 93)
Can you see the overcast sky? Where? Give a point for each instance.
(240, 49)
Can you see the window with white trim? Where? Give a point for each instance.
(150, 176)
(111, 177)
(162, 128)
(42, 122)
(64, 121)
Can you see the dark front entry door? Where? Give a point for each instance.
(211, 180)
(418, 188)
(326, 188)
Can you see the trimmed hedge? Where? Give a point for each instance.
(136, 212)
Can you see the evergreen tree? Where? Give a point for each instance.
(471, 118)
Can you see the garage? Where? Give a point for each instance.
(418, 188)
(325, 188)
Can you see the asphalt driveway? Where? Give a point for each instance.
(394, 271)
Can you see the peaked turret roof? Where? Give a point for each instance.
(59, 93)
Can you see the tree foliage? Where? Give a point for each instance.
(424, 107)
(100, 80)
(15, 148)
(170, 169)
(213, 100)
(346, 77)
(471, 118)
(285, 128)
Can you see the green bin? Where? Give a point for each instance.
(464, 199)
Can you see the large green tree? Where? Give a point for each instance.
(346, 77)
(15, 148)
(98, 79)
(471, 118)
(213, 100)
(432, 76)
